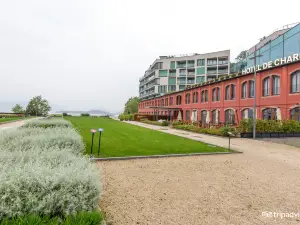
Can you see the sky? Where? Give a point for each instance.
(90, 54)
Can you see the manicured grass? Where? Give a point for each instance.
(4, 120)
(82, 218)
(122, 139)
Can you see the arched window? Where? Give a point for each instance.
(247, 114)
(188, 98)
(178, 100)
(216, 94)
(275, 85)
(187, 115)
(229, 116)
(230, 92)
(204, 96)
(162, 102)
(295, 82)
(269, 114)
(266, 86)
(215, 116)
(203, 116)
(244, 90)
(167, 102)
(295, 114)
(171, 100)
(252, 89)
(195, 97)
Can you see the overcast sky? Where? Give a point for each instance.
(90, 54)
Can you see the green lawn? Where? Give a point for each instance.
(11, 119)
(122, 139)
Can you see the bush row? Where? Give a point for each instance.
(262, 126)
(159, 123)
(223, 131)
(50, 122)
(126, 117)
(44, 173)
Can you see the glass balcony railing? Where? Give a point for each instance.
(223, 71)
(211, 71)
(181, 81)
(191, 81)
(181, 65)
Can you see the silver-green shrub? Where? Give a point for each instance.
(48, 183)
(48, 122)
(23, 139)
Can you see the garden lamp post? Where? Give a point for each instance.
(229, 135)
(100, 132)
(254, 105)
(93, 131)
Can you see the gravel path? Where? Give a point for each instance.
(221, 189)
(12, 124)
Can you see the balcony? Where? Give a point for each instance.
(223, 72)
(211, 72)
(181, 81)
(181, 64)
(192, 81)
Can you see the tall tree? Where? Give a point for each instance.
(132, 105)
(38, 106)
(17, 109)
(242, 55)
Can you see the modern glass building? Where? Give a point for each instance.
(175, 73)
(281, 43)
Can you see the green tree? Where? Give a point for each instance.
(242, 55)
(38, 106)
(132, 105)
(17, 109)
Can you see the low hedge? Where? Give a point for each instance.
(266, 126)
(48, 122)
(151, 122)
(126, 117)
(213, 131)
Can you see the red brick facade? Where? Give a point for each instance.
(285, 100)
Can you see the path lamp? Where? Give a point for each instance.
(93, 131)
(254, 105)
(100, 132)
(229, 135)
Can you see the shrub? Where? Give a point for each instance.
(165, 123)
(65, 114)
(121, 117)
(224, 130)
(151, 122)
(45, 123)
(23, 139)
(175, 123)
(84, 114)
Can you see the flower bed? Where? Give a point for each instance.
(44, 173)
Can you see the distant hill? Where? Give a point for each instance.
(94, 111)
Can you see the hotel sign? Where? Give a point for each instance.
(270, 64)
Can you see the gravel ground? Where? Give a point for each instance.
(215, 189)
(293, 141)
(231, 189)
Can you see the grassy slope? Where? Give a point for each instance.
(121, 139)
(11, 119)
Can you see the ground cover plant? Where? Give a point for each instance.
(45, 179)
(52, 122)
(122, 139)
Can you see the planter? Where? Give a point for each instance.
(259, 135)
(246, 135)
(274, 134)
(296, 134)
(265, 135)
(282, 135)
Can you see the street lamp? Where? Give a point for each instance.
(93, 131)
(254, 105)
(100, 131)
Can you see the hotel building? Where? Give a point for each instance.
(228, 99)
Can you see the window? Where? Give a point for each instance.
(247, 114)
(251, 91)
(229, 116)
(216, 94)
(187, 115)
(295, 114)
(172, 87)
(215, 116)
(276, 85)
(188, 98)
(163, 73)
(162, 102)
(162, 89)
(195, 97)
(295, 82)
(201, 62)
(167, 101)
(244, 90)
(204, 96)
(230, 92)
(211, 62)
(172, 65)
(171, 100)
(178, 100)
(269, 114)
(266, 86)
(203, 116)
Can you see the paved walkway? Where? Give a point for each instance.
(11, 125)
(220, 189)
